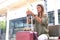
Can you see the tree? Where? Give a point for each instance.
(3, 25)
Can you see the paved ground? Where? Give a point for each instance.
(2, 36)
(54, 38)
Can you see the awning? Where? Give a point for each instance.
(15, 5)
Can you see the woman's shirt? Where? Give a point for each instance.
(41, 28)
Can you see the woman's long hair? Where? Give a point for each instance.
(42, 10)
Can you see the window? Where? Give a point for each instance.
(59, 16)
(11, 24)
(19, 22)
(51, 17)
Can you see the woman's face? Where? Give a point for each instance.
(39, 9)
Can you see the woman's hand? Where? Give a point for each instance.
(29, 12)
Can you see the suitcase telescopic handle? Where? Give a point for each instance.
(29, 16)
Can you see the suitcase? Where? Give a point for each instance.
(26, 35)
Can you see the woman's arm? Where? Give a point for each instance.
(37, 18)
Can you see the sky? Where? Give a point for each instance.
(51, 4)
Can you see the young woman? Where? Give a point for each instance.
(41, 20)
